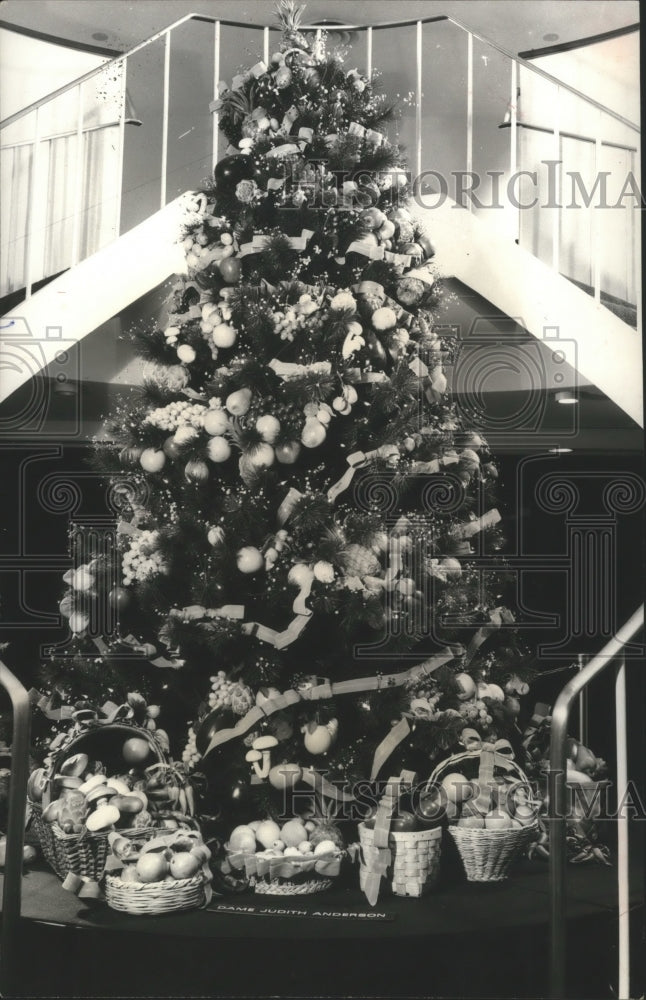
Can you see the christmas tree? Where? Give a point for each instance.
(296, 580)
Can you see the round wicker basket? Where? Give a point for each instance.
(104, 743)
(487, 854)
(278, 876)
(85, 853)
(285, 887)
(80, 853)
(153, 898)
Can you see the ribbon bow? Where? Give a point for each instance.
(472, 740)
(500, 753)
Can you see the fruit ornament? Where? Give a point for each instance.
(29, 853)
(75, 793)
(168, 873)
(586, 783)
(296, 856)
(490, 806)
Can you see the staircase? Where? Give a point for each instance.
(176, 145)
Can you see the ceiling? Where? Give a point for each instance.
(514, 25)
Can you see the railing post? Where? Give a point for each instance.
(29, 233)
(166, 98)
(636, 271)
(78, 181)
(596, 218)
(623, 986)
(369, 52)
(470, 110)
(583, 707)
(265, 45)
(556, 786)
(513, 143)
(556, 789)
(11, 893)
(216, 90)
(556, 221)
(418, 97)
(122, 148)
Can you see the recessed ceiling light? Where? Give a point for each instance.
(100, 36)
(557, 450)
(566, 397)
(551, 36)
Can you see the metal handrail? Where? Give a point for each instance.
(384, 25)
(11, 891)
(557, 807)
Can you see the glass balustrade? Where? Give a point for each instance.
(479, 126)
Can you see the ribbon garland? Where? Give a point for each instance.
(289, 370)
(388, 745)
(258, 243)
(358, 460)
(327, 690)
(378, 857)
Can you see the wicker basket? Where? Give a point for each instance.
(287, 876)
(415, 862)
(152, 898)
(409, 860)
(81, 853)
(85, 853)
(168, 895)
(487, 855)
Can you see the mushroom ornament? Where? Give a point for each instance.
(260, 756)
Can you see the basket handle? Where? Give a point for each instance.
(378, 858)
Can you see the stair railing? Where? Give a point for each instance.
(465, 158)
(612, 652)
(12, 888)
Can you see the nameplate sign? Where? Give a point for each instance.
(246, 909)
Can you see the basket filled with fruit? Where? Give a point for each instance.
(490, 807)
(96, 779)
(296, 858)
(167, 873)
(397, 845)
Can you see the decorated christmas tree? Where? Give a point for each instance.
(297, 580)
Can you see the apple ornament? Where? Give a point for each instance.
(284, 776)
(249, 559)
(152, 460)
(186, 354)
(196, 471)
(231, 270)
(268, 427)
(262, 456)
(216, 422)
(457, 787)
(466, 686)
(498, 820)
(318, 739)
(218, 449)
(287, 453)
(224, 335)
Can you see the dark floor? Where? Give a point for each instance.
(464, 940)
